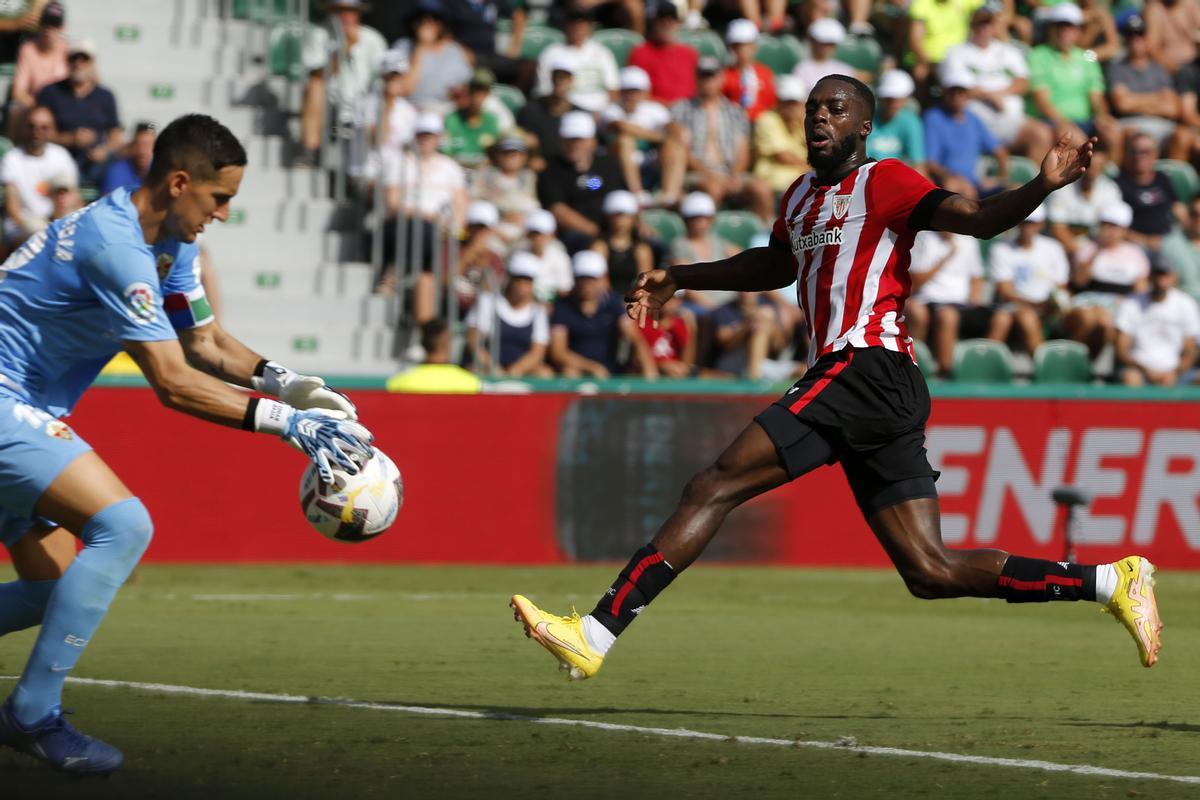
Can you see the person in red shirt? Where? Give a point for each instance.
(671, 342)
(747, 83)
(670, 65)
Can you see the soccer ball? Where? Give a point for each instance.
(354, 508)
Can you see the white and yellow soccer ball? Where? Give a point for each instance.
(354, 508)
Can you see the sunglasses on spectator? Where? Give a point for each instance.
(79, 57)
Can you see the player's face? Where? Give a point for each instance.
(834, 124)
(195, 204)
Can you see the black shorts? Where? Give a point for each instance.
(864, 407)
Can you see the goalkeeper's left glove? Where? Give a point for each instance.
(300, 391)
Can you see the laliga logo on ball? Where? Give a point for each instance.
(354, 508)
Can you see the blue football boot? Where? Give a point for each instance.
(54, 741)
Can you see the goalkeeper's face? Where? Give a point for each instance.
(195, 204)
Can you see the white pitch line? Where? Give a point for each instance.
(678, 733)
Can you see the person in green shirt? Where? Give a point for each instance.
(897, 131)
(1066, 84)
(470, 130)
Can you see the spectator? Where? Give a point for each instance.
(639, 127)
(342, 79)
(471, 129)
(1001, 82)
(437, 62)
(1142, 93)
(1171, 26)
(85, 113)
(518, 323)
(824, 36)
(698, 244)
(780, 143)
(131, 170)
(41, 60)
(670, 65)
(1187, 86)
(481, 254)
(588, 323)
(555, 276)
(435, 374)
(620, 244)
(542, 116)
(1099, 31)
(1149, 193)
(955, 139)
(27, 171)
(947, 282)
(391, 126)
(934, 27)
(1074, 210)
(508, 183)
(712, 136)
(17, 18)
(1104, 271)
(1066, 85)
(897, 131)
(1188, 257)
(748, 83)
(670, 342)
(1031, 274)
(747, 332)
(1156, 331)
(574, 185)
(596, 77)
(474, 26)
(64, 195)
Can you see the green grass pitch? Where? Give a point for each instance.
(791, 654)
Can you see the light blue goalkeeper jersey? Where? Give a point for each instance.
(71, 295)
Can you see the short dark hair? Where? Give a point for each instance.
(197, 144)
(431, 332)
(861, 90)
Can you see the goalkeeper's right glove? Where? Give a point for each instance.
(324, 436)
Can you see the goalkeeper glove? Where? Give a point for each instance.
(300, 391)
(328, 439)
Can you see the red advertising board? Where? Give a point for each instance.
(546, 478)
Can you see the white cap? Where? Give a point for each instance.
(894, 84)
(394, 61)
(1119, 214)
(827, 31)
(790, 87)
(741, 31)
(428, 122)
(540, 221)
(620, 202)
(634, 78)
(1064, 12)
(83, 44)
(481, 212)
(524, 264)
(698, 204)
(957, 78)
(1038, 215)
(563, 61)
(589, 264)
(577, 125)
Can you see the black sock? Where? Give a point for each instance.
(1031, 580)
(643, 578)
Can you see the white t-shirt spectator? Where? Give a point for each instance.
(1069, 207)
(31, 175)
(952, 283)
(597, 75)
(1123, 264)
(482, 317)
(1035, 272)
(556, 276)
(995, 67)
(428, 187)
(647, 114)
(1159, 330)
(356, 73)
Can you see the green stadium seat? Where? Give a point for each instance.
(1062, 361)
(537, 38)
(737, 227)
(925, 360)
(861, 52)
(511, 96)
(1183, 178)
(778, 54)
(706, 42)
(264, 11)
(982, 361)
(619, 42)
(667, 224)
(284, 45)
(1022, 170)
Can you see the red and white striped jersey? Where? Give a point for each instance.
(852, 242)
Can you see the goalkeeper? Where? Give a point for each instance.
(120, 273)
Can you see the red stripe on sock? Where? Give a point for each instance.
(1039, 586)
(641, 567)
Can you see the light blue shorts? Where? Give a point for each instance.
(35, 447)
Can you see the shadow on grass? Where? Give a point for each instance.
(1180, 727)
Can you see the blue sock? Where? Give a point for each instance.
(23, 604)
(113, 542)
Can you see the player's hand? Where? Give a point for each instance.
(1066, 162)
(329, 441)
(307, 391)
(649, 294)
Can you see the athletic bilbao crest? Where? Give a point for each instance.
(841, 204)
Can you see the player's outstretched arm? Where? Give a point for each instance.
(214, 350)
(993, 215)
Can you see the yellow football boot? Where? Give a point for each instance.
(1133, 604)
(562, 636)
